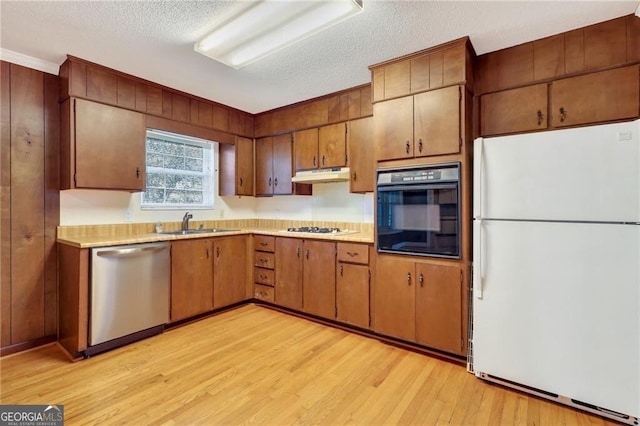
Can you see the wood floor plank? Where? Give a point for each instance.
(259, 366)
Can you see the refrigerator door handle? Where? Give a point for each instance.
(478, 270)
(478, 171)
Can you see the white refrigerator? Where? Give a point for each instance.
(556, 266)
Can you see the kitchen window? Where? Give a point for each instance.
(180, 171)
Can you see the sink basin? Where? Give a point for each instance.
(198, 231)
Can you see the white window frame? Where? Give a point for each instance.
(208, 174)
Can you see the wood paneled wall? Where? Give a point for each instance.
(30, 206)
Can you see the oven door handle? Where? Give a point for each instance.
(410, 187)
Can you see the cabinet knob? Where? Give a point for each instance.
(208, 253)
(563, 114)
(355, 176)
(407, 146)
(341, 270)
(241, 182)
(307, 253)
(269, 181)
(314, 161)
(419, 145)
(275, 181)
(540, 117)
(409, 278)
(217, 251)
(323, 159)
(421, 280)
(298, 252)
(137, 172)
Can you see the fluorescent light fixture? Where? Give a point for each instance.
(270, 25)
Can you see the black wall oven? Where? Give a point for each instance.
(418, 210)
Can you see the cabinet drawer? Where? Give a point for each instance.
(264, 243)
(264, 276)
(353, 253)
(264, 260)
(263, 292)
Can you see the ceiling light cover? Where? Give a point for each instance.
(270, 25)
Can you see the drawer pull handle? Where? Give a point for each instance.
(352, 253)
(407, 146)
(263, 244)
(540, 117)
(419, 145)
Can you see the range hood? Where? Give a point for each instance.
(339, 174)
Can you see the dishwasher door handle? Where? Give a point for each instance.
(130, 251)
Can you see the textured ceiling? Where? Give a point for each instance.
(154, 40)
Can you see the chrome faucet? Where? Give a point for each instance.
(185, 221)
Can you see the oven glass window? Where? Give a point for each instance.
(419, 220)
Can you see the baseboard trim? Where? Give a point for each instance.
(25, 346)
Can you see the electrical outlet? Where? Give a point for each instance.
(127, 215)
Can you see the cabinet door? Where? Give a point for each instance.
(361, 161)
(332, 145)
(437, 122)
(319, 278)
(439, 307)
(352, 294)
(597, 97)
(109, 147)
(394, 298)
(512, 111)
(306, 149)
(244, 166)
(282, 165)
(264, 166)
(289, 273)
(393, 128)
(191, 278)
(229, 270)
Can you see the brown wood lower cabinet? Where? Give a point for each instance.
(229, 271)
(352, 294)
(420, 302)
(288, 286)
(318, 278)
(191, 278)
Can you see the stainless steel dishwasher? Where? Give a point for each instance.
(129, 294)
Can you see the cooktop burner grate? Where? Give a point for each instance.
(315, 230)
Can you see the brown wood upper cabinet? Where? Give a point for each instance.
(361, 155)
(236, 167)
(323, 147)
(597, 97)
(420, 125)
(516, 110)
(273, 165)
(102, 147)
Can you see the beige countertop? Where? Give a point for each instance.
(104, 241)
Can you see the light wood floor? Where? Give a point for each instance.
(255, 365)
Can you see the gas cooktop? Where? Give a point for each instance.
(319, 230)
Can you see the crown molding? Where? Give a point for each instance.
(29, 61)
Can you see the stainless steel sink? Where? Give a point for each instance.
(198, 231)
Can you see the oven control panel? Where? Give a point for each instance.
(419, 175)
